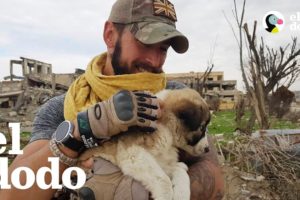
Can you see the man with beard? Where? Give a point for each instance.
(137, 34)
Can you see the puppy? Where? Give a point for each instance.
(152, 158)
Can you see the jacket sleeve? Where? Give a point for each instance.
(47, 119)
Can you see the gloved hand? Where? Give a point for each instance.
(108, 182)
(123, 110)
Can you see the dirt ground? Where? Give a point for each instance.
(236, 188)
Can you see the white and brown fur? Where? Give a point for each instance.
(152, 158)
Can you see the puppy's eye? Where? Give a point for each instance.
(202, 128)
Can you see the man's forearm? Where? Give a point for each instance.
(205, 175)
(35, 156)
(206, 181)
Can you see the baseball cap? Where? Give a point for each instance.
(151, 21)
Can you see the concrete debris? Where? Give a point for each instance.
(12, 114)
(251, 177)
(287, 139)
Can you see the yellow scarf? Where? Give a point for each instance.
(92, 86)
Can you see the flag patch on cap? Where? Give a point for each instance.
(164, 8)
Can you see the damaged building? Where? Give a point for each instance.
(215, 87)
(20, 96)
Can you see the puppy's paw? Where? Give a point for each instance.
(181, 193)
(182, 165)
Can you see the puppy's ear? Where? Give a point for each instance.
(190, 115)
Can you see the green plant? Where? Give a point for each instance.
(223, 122)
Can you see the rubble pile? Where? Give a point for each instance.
(26, 106)
(263, 167)
(22, 96)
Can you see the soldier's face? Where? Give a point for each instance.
(131, 56)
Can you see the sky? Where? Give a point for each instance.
(68, 34)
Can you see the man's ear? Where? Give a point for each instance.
(110, 36)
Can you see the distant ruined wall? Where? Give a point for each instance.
(215, 87)
(64, 79)
(10, 86)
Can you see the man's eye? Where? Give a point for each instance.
(164, 49)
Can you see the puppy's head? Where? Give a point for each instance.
(187, 115)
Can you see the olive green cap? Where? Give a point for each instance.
(152, 21)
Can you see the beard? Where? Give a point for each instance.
(116, 61)
(137, 66)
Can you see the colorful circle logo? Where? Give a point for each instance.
(273, 22)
